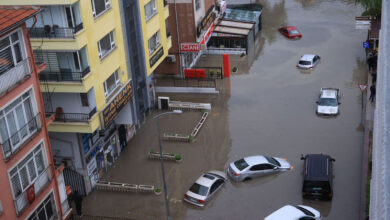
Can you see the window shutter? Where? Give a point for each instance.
(24, 177)
(15, 182)
(31, 170)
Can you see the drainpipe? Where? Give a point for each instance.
(178, 41)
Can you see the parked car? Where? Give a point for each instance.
(317, 177)
(294, 212)
(255, 166)
(205, 187)
(328, 103)
(290, 32)
(308, 61)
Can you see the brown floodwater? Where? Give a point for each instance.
(266, 108)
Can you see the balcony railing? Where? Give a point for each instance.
(14, 75)
(20, 137)
(21, 201)
(55, 32)
(64, 75)
(72, 117)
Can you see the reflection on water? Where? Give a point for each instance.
(277, 12)
(309, 4)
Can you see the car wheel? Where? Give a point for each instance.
(247, 179)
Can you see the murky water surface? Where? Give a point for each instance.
(266, 108)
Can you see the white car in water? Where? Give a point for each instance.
(308, 61)
(256, 166)
(328, 103)
(205, 187)
(294, 212)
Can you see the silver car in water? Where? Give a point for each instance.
(256, 166)
(329, 101)
(205, 187)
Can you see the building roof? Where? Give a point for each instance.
(231, 30)
(12, 16)
(236, 24)
(241, 15)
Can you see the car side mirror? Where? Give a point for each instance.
(302, 157)
(333, 160)
(275, 168)
(339, 103)
(317, 102)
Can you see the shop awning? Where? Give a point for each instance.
(236, 24)
(231, 30)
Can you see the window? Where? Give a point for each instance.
(84, 99)
(216, 185)
(11, 51)
(17, 123)
(27, 171)
(100, 6)
(167, 28)
(111, 83)
(197, 4)
(106, 44)
(154, 42)
(45, 210)
(150, 9)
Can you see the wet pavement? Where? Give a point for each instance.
(267, 107)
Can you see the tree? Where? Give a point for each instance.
(372, 7)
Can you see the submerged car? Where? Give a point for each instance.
(294, 212)
(317, 177)
(290, 32)
(255, 166)
(328, 103)
(205, 187)
(308, 61)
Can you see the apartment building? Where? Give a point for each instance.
(87, 85)
(148, 39)
(31, 186)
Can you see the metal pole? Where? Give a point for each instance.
(163, 170)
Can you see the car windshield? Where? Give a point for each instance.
(294, 32)
(241, 164)
(303, 62)
(328, 102)
(199, 189)
(316, 186)
(273, 161)
(307, 212)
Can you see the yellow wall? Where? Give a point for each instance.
(150, 27)
(94, 30)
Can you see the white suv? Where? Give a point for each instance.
(294, 212)
(328, 103)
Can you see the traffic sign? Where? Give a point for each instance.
(366, 44)
(363, 87)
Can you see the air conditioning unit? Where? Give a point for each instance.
(171, 58)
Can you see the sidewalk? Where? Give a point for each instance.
(367, 148)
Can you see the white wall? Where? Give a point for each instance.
(71, 102)
(66, 145)
(124, 116)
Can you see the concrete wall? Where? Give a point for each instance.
(380, 182)
(70, 103)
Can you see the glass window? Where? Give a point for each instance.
(10, 52)
(100, 6)
(45, 210)
(17, 123)
(154, 42)
(241, 164)
(27, 171)
(106, 44)
(199, 189)
(111, 83)
(150, 9)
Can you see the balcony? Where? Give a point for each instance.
(20, 137)
(165, 3)
(55, 32)
(14, 75)
(64, 76)
(72, 117)
(21, 201)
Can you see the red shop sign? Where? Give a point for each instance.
(207, 34)
(189, 47)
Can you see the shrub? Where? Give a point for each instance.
(178, 157)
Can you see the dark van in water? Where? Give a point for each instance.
(317, 177)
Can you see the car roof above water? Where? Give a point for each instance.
(252, 160)
(329, 93)
(307, 57)
(317, 167)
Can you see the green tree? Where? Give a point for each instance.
(372, 7)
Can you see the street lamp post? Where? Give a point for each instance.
(161, 158)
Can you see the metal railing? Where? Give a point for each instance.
(64, 75)
(14, 75)
(21, 201)
(75, 181)
(20, 137)
(55, 32)
(72, 117)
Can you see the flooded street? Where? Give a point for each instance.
(266, 108)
